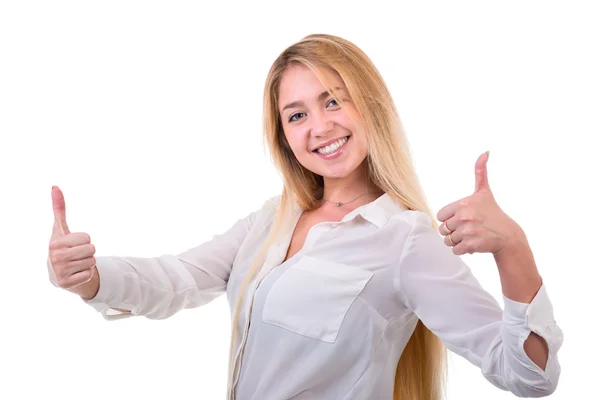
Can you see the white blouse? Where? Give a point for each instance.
(332, 321)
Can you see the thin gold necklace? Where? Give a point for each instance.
(339, 203)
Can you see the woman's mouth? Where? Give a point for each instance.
(334, 150)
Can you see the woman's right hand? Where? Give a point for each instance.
(71, 260)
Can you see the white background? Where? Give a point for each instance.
(148, 116)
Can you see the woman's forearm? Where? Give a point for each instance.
(520, 282)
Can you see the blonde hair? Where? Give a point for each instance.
(422, 369)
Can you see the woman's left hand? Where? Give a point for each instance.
(476, 224)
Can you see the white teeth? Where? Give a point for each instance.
(332, 147)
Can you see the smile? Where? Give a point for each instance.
(334, 150)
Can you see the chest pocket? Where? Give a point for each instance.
(312, 297)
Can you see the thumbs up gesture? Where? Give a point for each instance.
(71, 259)
(476, 224)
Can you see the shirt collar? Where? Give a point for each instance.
(378, 212)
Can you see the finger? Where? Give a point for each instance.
(481, 177)
(70, 240)
(60, 218)
(74, 267)
(448, 211)
(456, 239)
(451, 223)
(78, 278)
(80, 252)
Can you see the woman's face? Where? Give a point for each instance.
(320, 133)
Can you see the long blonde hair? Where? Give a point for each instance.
(422, 369)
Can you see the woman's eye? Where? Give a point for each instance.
(296, 116)
(292, 118)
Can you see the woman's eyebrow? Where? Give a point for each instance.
(301, 103)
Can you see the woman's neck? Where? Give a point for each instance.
(348, 195)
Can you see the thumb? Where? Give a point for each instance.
(481, 178)
(60, 217)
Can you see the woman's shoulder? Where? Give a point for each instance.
(412, 218)
(268, 208)
(272, 203)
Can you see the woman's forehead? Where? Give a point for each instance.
(299, 83)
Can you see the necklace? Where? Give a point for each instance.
(339, 203)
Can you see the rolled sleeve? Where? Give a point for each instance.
(519, 320)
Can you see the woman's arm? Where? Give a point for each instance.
(159, 287)
(440, 289)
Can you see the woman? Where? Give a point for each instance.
(341, 287)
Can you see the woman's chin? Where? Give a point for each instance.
(335, 173)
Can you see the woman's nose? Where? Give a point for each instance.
(321, 125)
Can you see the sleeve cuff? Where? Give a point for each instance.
(110, 292)
(520, 319)
(537, 315)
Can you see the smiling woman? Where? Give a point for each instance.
(341, 286)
